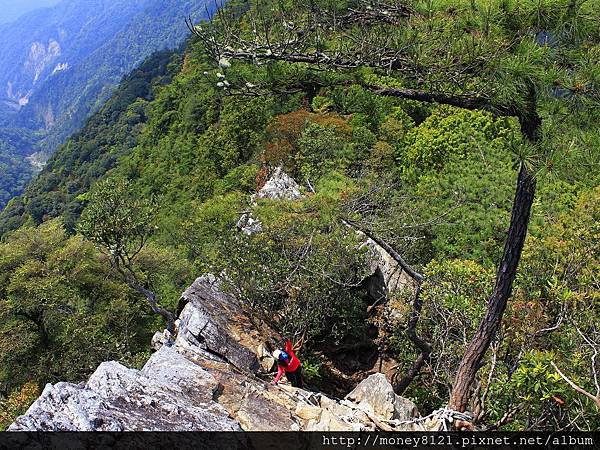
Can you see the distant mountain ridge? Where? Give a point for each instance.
(12, 9)
(60, 64)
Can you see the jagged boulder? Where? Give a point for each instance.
(376, 395)
(120, 399)
(212, 325)
(280, 186)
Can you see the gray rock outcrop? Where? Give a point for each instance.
(209, 379)
(376, 395)
(280, 186)
(169, 394)
(211, 326)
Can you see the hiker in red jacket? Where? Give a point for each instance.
(288, 362)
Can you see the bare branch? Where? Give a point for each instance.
(576, 387)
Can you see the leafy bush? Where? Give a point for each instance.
(450, 132)
(309, 145)
(69, 311)
(301, 273)
(17, 404)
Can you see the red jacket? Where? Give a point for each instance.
(291, 366)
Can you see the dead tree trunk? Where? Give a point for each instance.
(507, 269)
(156, 308)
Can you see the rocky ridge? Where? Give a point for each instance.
(214, 374)
(210, 378)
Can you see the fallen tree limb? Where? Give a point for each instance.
(419, 278)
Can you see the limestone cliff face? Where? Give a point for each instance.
(209, 378)
(39, 60)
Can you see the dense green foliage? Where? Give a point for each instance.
(15, 172)
(69, 309)
(436, 182)
(301, 274)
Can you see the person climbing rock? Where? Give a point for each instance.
(288, 363)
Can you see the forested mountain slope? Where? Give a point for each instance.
(109, 134)
(48, 41)
(169, 164)
(59, 64)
